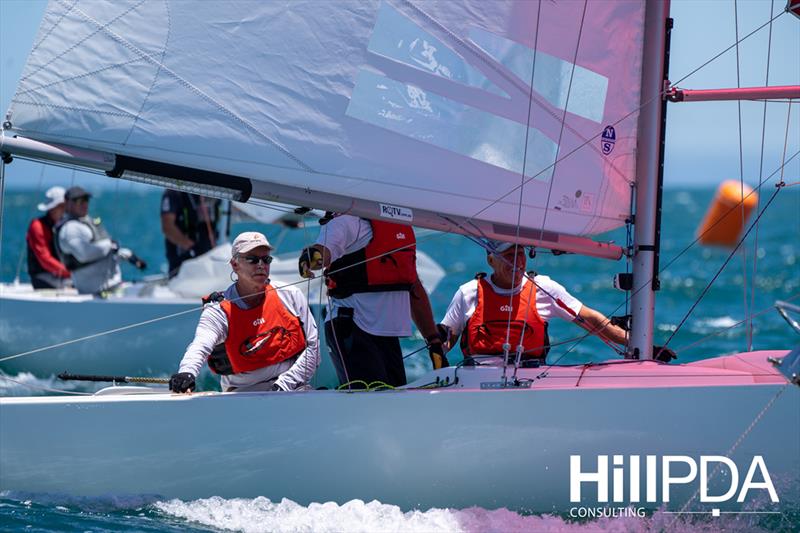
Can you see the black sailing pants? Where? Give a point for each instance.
(364, 356)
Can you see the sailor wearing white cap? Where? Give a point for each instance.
(255, 336)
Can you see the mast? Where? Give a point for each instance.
(649, 172)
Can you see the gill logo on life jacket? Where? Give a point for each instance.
(506, 308)
(252, 344)
(400, 236)
(258, 321)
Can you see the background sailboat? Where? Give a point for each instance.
(279, 174)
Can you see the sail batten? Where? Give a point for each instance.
(442, 107)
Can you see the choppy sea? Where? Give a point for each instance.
(765, 269)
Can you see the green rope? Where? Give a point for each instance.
(368, 387)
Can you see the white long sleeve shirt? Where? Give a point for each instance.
(212, 329)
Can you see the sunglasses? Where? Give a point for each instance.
(254, 259)
(80, 200)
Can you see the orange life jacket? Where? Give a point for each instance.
(486, 329)
(388, 263)
(262, 336)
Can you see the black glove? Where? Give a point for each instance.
(181, 382)
(663, 354)
(138, 263)
(438, 359)
(310, 259)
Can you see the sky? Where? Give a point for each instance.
(702, 145)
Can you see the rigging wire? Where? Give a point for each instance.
(760, 178)
(748, 340)
(507, 344)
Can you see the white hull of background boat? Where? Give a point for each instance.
(36, 319)
(464, 446)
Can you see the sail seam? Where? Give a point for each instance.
(79, 76)
(155, 77)
(53, 27)
(100, 28)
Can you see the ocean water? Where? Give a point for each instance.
(766, 269)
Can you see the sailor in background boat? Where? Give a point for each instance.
(374, 292)
(487, 317)
(189, 224)
(256, 336)
(44, 267)
(86, 248)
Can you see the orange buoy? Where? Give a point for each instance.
(727, 214)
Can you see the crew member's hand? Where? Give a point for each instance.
(438, 359)
(310, 259)
(444, 336)
(663, 354)
(137, 262)
(182, 382)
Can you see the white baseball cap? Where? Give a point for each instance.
(249, 240)
(53, 197)
(498, 247)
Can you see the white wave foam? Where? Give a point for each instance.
(260, 514)
(718, 322)
(26, 384)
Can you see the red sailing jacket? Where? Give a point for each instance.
(388, 263)
(262, 336)
(42, 254)
(485, 333)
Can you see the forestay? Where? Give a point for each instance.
(421, 106)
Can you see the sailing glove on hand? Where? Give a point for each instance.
(436, 351)
(135, 261)
(310, 259)
(663, 354)
(182, 382)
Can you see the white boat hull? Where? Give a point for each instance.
(152, 349)
(454, 447)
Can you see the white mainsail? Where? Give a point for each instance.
(437, 108)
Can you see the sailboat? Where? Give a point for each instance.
(539, 123)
